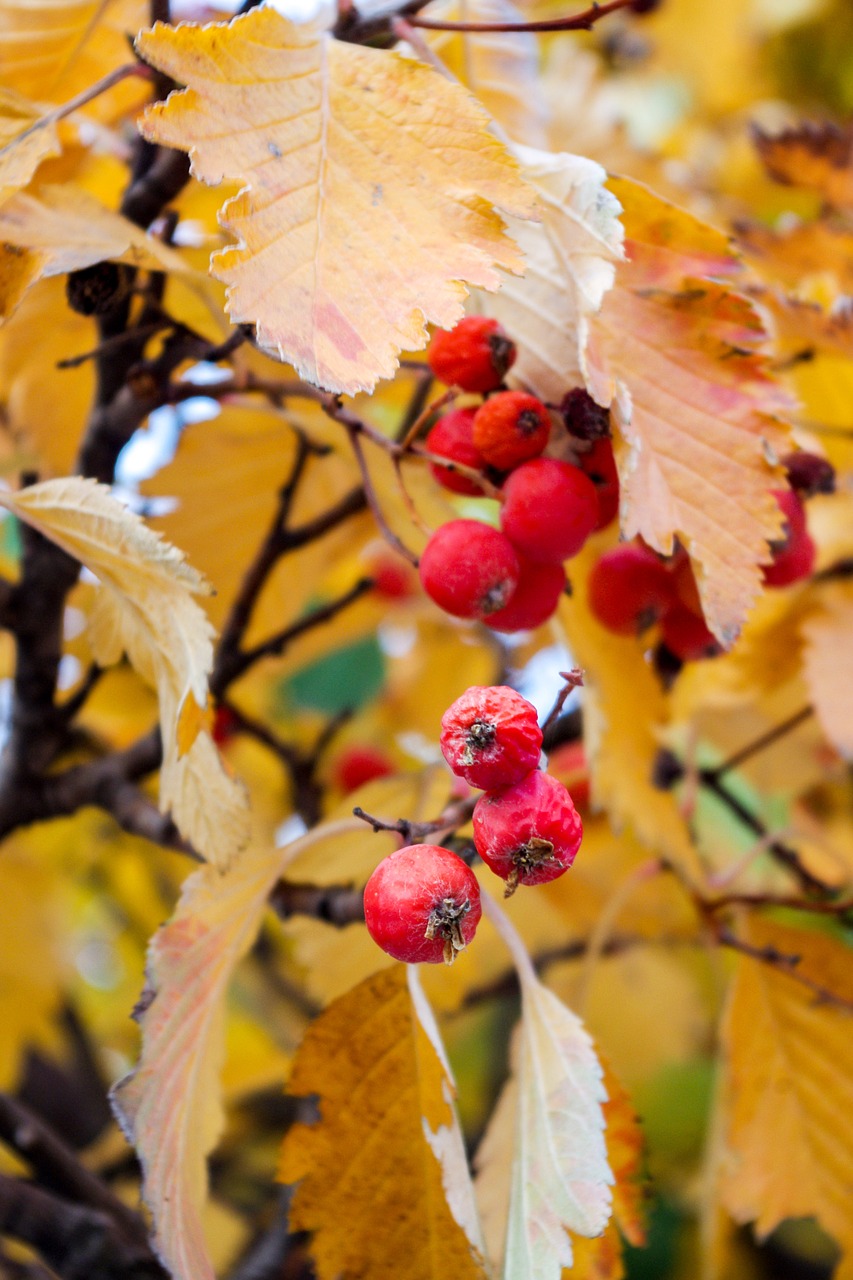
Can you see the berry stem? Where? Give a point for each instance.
(574, 680)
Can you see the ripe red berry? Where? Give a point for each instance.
(600, 465)
(583, 417)
(452, 437)
(475, 355)
(225, 725)
(393, 578)
(534, 600)
(550, 510)
(629, 589)
(794, 555)
(469, 569)
(422, 904)
(510, 428)
(809, 474)
(528, 833)
(684, 582)
(686, 635)
(569, 765)
(490, 736)
(359, 764)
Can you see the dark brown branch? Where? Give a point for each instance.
(788, 964)
(337, 904)
(453, 817)
(276, 645)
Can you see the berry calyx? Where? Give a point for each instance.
(629, 589)
(510, 428)
(490, 736)
(469, 569)
(600, 465)
(359, 764)
(550, 510)
(475, 355)
(686, 635)
(452, 437)
(583, 417)
(795, 553)
(528, 833)
(422, 904)
(809, 474)
(534, 600)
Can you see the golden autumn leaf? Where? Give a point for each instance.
(370, 188)
(817, 156)
(828, 664)
(789, 1085)
(24, 143)
(148, 611)
(382, 1180)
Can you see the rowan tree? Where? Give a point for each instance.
(426, 560)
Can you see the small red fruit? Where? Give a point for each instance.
(684, 582)
(490, 736)
(600, 465)
(528, 833)
(569, 765)
(452, 437)
(794, 555)
(534, 600)
(583, 417)
(550, 510)
(686, 635)
(809, 474)
(469, 569)
(422, 904)
(475, 355)
(510, 428)
(359, 764)
(393, 578)
(629, 589)
(225, 726)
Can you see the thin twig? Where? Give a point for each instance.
(759, 744)
(573, 680)
(453, 817)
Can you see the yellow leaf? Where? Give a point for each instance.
(789, 1087)
(170, 1107)
(370, 186)
(571, 257)
(679, 359)
(382, 1179)
(828, 664)
(148, 611)
(22, 146)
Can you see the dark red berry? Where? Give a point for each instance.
(528, 833)
(684, 582)
(569, 765)
(359, 764)
(469, 569)
(550, 510)
(392, 577)
(225, 725)
(686, 635)
(534, 600)
(475, 355)
(629, 589)
(490, 736)
(583, 417)
(809, 474)
(795, 553)
(452, 437)
(422, 904)
(600, 465)
(510, 428)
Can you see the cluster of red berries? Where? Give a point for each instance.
(422, 903)
(512, 577)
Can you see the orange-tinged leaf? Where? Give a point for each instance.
(148, 610)
(23, 143)
(370, 188)
(789, 1086)
(817, 156)
(828, 664)
(382, 1179)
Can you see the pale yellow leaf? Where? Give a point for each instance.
(828, 664)
(148, 611)
(385, 1157)
(371, 187)
(23, 143)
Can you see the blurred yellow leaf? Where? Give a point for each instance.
(828, 664)
(347, 246)
(22, 145)
(382, 1179)
(817, 156)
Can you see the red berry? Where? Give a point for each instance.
(794, 555)
(809, 474)
(359, 764)
(469, 569)
(528, 833)
(569, 765)
(583, 417)
(686, 635)
(600, 465)
(474, 355)
(452, 437)
(550, 510)
(392, 577)
(510, 428)
(225, 725)
(684, 582)
(490, 736)
(629, 589)
(422, 904)
(534, 600)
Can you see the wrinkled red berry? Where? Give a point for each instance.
(528, 833)
(550, 510)
(795, 553)
(510, 428)
(422, 904)
(686, 635)
(490, 736)
(359, 764)
(583, 417)
(629, 589)
(809, 474)
(469, 569)
(600, 465)
(475, 355)
(452, 437)
(534, 600)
